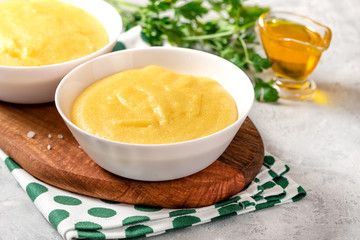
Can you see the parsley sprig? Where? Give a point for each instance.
(222, 27)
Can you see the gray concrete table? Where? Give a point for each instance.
(319, 142)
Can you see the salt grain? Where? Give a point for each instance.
(49, 136)
(48, 147)
(30, 134)
(79, 146)
(60, 136)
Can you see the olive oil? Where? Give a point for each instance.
(293, 49)
(293, 44)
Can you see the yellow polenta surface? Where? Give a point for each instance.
(44, 32)
(153, 105)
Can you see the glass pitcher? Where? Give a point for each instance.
(293, 44)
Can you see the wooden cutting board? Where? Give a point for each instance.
(67, 166)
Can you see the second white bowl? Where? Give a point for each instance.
(28, 85)
(156, 162)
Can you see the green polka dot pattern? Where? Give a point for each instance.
(300, 194)
(272, 174)
(181, 212)
(76, 216)
(281, 181)
(11, 164)
(268, 185)
(91, 235)
(135, 219)
(247, 204)
(57, 216)
(146, 208)
(185, 221)
(87, 226)
(102, 212)
(109, 201)
(266, 204)
(119, 46)
(66, 200)
(138, 231)
(226, 202)
(34, 190)
(229, 209)
(269, 161)
(142, 35)
(275, 198)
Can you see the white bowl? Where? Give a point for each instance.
(159, 161)
(37, 84)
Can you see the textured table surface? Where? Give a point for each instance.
(320, 142)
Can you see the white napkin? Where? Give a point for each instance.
(78, 216)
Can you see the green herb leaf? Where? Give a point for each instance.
(258, 62)
(192, 10)
(264, 92)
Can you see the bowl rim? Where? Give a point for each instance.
(91, 55)
(239, 120)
